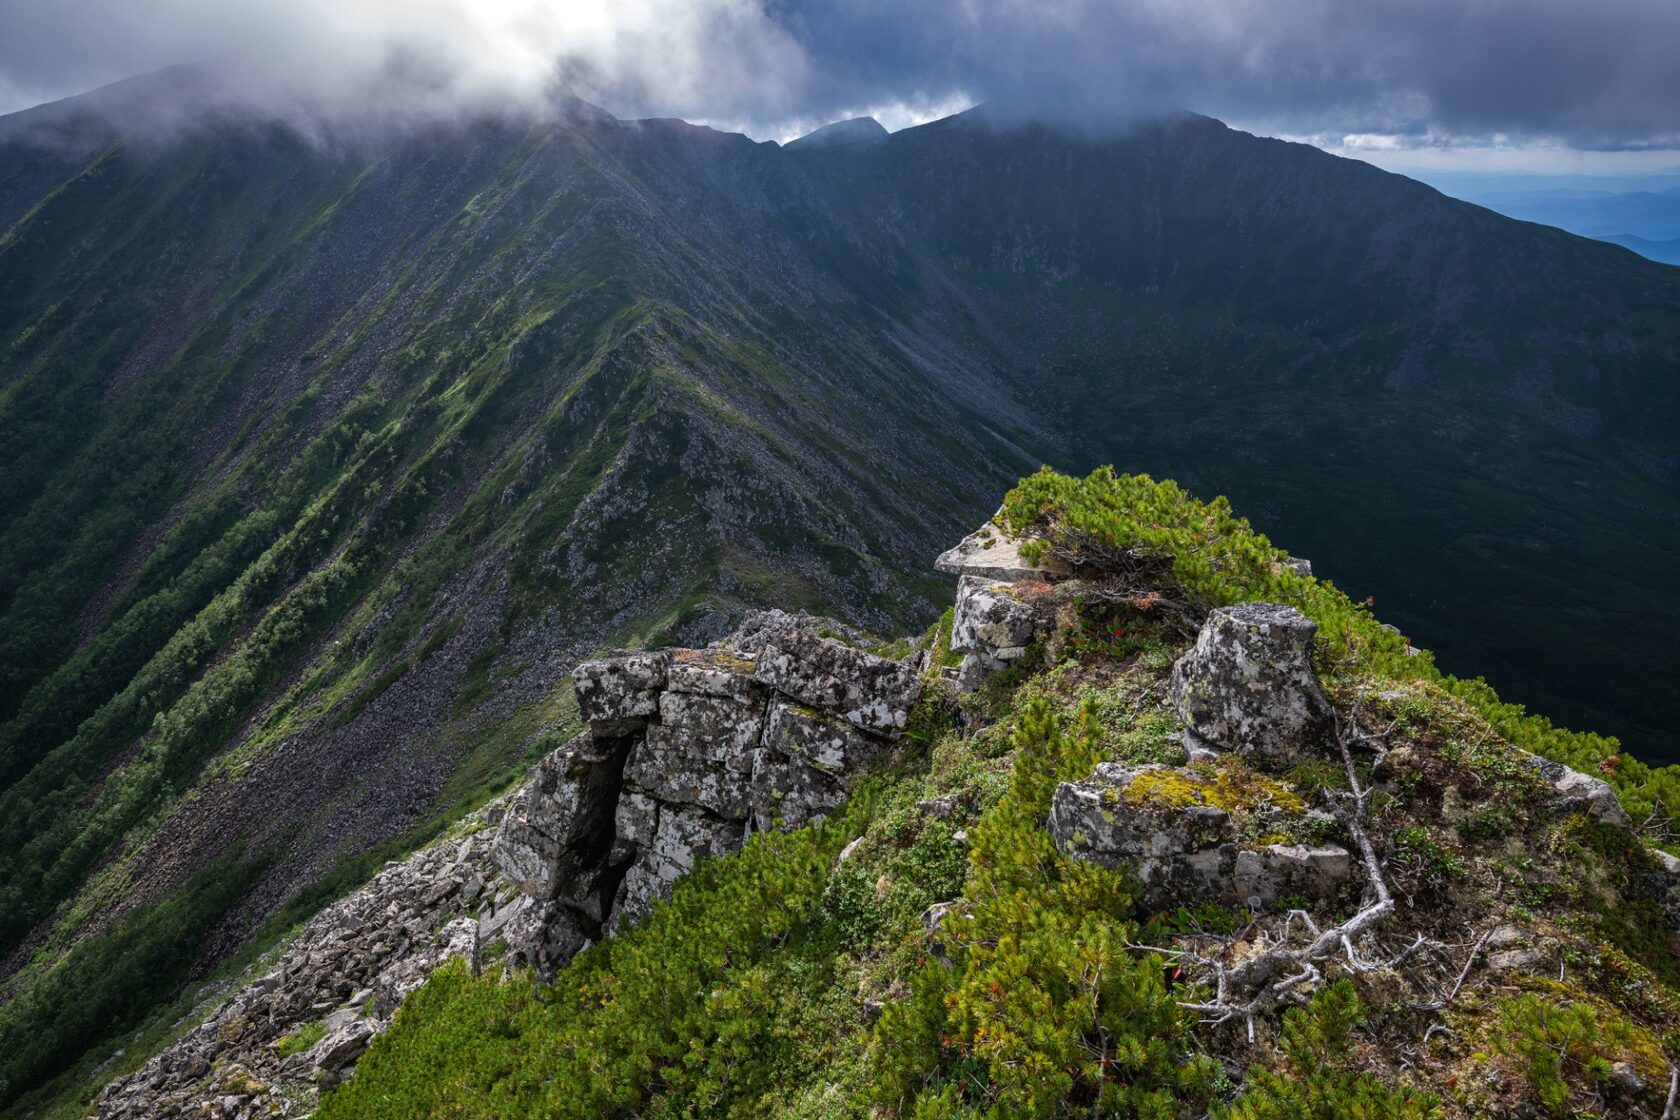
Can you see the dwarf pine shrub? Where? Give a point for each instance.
(1108, 522)
(1316, 1082)
(1039, 1005)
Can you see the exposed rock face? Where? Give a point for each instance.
(872, 692)
(1182, 849)
(553, 826)
(789, 794)
(992, 626)
(821, 742)
(995, 620)
(688, 751)
(676, 837)
(619, 688)
(1248, 684)
(759, 731)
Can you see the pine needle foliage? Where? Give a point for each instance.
(1315, 1082)
(1039, 1006)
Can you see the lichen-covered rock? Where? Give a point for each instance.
(714, 672)
(1248, 684)
(1265, 874)
(1168, 825)
(637, 820)
(990, 553)
(988, 617)
(872, 692)
(764, 628)
(672, 775)
(1575, 792)
(817, 740)
(458, 940)
(543, 936)
(786, 793)
(621, 687)
(682, 836)
(342, 1046)
(552, 827)
(718, 729)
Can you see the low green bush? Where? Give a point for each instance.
(1315, 1081)
(1109, 523)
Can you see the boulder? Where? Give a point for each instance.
(786, 793)
(872, 692)
(1248, 684)
(621, 687)
(1263, 875)
(1575, 792)
(551, 828)
(992, 554)
(1158, 821)
(817, 740)
(342, 1047)
(1662, 883)
(988, 619)
(683, 836)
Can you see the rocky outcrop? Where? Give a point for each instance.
(552, 833)
(1248, 684)
(300, 1025)
(689, 751)
(1175, 828)
(998, 611)
(993, 625)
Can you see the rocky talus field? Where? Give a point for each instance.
(1151, 823)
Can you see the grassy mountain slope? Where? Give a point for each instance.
(324, 461)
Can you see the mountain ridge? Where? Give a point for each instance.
(325, 463)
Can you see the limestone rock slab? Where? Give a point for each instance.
(991, 553)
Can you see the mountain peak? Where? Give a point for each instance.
(856, 130)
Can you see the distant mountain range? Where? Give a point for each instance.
(321, 463)
(1640, 213)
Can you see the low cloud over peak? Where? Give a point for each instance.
(1588, 76)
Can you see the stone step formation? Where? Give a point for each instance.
(690, 751)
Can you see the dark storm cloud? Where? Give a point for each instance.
(1595, 73)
